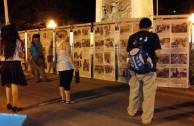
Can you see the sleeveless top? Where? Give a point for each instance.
(63, 61)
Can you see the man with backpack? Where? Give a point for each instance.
(144, 49)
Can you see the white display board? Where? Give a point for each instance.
(82, 49)
(104, 51)
(173, 65)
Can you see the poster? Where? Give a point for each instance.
(46, 39)
(22, 38)
(82, 49)
(30, 33)
(173, 65)
(126, 29)
(104, 51)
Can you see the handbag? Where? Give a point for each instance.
(49, 58)
(40, 60)
(77, 78)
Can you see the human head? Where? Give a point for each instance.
(36, 38)
(145, 23)
(9, 31)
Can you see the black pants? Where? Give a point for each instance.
(66, 78)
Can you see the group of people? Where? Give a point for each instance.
(12, 74)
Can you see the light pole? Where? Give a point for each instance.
(6, 12)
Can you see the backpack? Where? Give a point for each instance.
(139, 61)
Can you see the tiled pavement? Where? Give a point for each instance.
(98, 103)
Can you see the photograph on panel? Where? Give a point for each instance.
(99, 30)
(123, 57)
(85, 42)
(109, 43)
(165, 43)
(164, 58)
(77, 44)
(178, 72)
(85, 31)
(178, 58)
(126, 28)
(123, 43)
(162, 27)
(99, 69)
(107, 30)
(109, 69)
(77, 32)
(179, 42)
(86, 65)
(107, 57)
(77, 55)
(99, 58)
(162, 72)
(179, 27)
(99, 45)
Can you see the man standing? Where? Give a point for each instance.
(36, 52)
(146, 80)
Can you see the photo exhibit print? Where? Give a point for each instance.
(173, 64)
(104, 51)
(126, 29)
(22, 38)
(164, 58)
(82, 49)
(46, 39)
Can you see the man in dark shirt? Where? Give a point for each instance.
(145, 82)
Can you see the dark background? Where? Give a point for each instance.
(29, 14)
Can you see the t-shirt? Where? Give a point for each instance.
(152, 44)
(35, 50)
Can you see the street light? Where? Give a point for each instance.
(52, 24)
(191, 18)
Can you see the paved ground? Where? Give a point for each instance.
(99, 103)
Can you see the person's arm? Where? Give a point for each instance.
(157, 52)
(157, 45)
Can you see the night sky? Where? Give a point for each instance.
(83, 11)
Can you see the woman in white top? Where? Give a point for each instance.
(65, 68)
(11, 71)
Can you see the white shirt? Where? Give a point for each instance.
(18, 50)
(63, 61)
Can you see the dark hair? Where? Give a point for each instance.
(145, 23)
(36, 36)
(9, 36)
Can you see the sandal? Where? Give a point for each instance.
(70, 102)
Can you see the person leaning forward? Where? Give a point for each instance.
(36, 52)
(145, 81)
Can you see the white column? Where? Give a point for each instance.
(99, 10)
(142, 8)
(6, 12)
